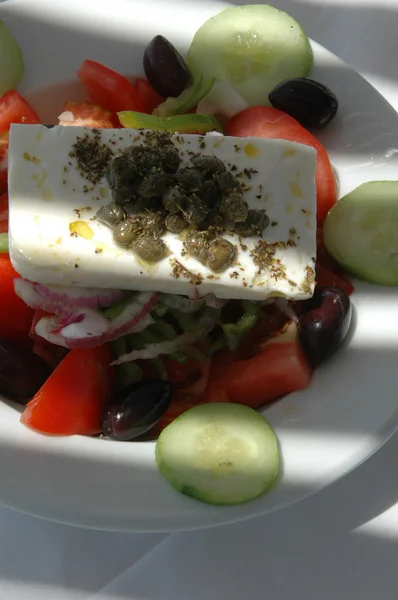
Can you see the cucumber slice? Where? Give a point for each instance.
(361, 232)
(11, 64)
(219, 453)
(187, 100)
(254, 48)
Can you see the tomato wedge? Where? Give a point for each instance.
(147, 95)
(14, 109)
(72, 400)
(4, 213)
(86, 114)
(15, 316)
(4, 162)
(109, 89)
(278, 369)
(267, 122)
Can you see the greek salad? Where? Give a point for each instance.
(173, 257)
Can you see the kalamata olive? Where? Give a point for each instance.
(150, 249)
(209, 165)
(175, 223)
(170, 159)
(111, 214)
(234, 207)
(256, 221)
(22, 373)
(135, 409)
(174, 199)
(228, 182)
(308, 101)
(189, 180)
(154, 184)
(126, 232)
(323, 328)
(221, 254)
(165, 68)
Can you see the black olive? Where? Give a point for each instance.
(174, 199)
(221, 254)
(256, 222)
(189, 180)
(154, 184)
(175, 223)
(165, 68)
(209, 165)
(150, 249)
(170, 159)
(234, 207)
(111, 214)
(135, 409)
(22, 373)
(308, 101)
(126, 232)
(324, 327)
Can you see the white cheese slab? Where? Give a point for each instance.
(47, 193)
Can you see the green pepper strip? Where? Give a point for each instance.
(3, 242)
(233, 332)
(126, 373)
(191, 123)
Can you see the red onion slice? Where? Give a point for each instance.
(91, 331)
(79, 297)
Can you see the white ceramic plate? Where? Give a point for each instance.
(325, 431)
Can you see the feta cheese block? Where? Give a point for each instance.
(56, 239)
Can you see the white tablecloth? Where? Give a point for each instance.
(340, 544)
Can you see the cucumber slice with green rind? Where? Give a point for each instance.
(11, 63)
(187, 100)
(254, 48)
(361, 232)
(219, 453)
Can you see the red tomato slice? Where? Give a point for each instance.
(108, 88)
(4, 213)
(4, 162)
(14, 109)
(72, 399)
(147, 95)
(279, 369)
(86, 114)
(267, 122)
(327, 278)
(15, 316)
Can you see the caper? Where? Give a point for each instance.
(150, 249)
(170, 159)
(197, 244)
(234, 207)
(175, 223)
(126, 232)
(148, 160)
(256, 222)
(195, 210)
(140, 204)
(153, 222)
(228, 182)
(210, 192)
(123, 194)
(122, 168)
(154, 184)
(221, 254)
(174, 199)
(189, 180)
(209, 165)
(111, 214)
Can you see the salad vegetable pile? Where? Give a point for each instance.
(136, 365)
